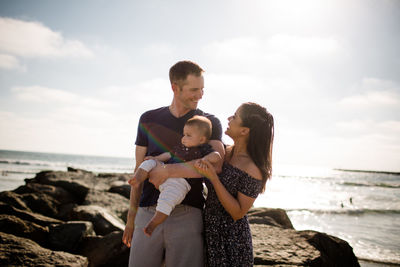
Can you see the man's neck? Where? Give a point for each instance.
(178, 111)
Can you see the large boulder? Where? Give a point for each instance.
(268, 216)
(13, 225)
(18, 251)
(274, 245)
(14, 200)
(103, 221)
(121, 187)
(76, 183)
(114, 203)
(27, 215)
(59, 193)
(284, 246)
(67, 236)
(334, 251)
(105, 250)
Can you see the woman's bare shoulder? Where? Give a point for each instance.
(248, 166)
(251, 168)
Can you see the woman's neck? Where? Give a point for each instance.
(239, 149)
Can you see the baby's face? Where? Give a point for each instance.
(192, 136)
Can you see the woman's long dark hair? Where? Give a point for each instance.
(261, 137)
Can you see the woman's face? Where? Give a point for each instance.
(234, 124)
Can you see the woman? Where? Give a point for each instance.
(247, 167)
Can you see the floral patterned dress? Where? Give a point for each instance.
(228, 243)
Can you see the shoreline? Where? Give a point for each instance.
(366, 171)
(371, 263)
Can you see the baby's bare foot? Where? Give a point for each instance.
(157, 219)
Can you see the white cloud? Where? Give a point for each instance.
(390, 128)
(270, 53)
(33, 39)
(9, 62)
(44, 95)
(374, 93)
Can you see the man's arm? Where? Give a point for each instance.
(162, 172)
(140, 153)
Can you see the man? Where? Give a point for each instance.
(179, 239)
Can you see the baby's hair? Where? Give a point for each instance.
(203, 124)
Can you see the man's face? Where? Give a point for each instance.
(189, 93)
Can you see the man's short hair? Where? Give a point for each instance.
(179, 72)
(202, 123)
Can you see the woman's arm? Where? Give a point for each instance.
(236, 207)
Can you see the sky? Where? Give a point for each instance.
(76, 75)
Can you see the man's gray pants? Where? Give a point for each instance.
(179, 239)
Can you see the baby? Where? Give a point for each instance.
(196, 134)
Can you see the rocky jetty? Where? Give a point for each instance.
(76, 218)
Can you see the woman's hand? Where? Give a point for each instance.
(205, 168)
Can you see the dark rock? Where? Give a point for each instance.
(121, 187)
(67, 236)
(27, 215)
(274, 245)
(75, 183)
(278, 216)
(103, 221)
(41, 203)
(62, 195)
(334, 251)
(71, 169)
(14, 200)
(65, 211)
(36, 202)
(115, 203)
(105, 250)
(18, 251)
(13, 225)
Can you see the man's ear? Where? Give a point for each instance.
(175, 87)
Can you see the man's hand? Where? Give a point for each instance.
(129, 227)
(158, 174)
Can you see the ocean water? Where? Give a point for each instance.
(15, 166)
(362, 208)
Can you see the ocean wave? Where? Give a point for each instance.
(27, 163)
(366, 184)
(347, 211)
(5, 172)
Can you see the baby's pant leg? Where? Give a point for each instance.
(172, 192)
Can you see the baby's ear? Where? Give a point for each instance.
(203, 140)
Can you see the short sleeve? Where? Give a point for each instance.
(250, 186)
(216, 129)
(141, 137)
